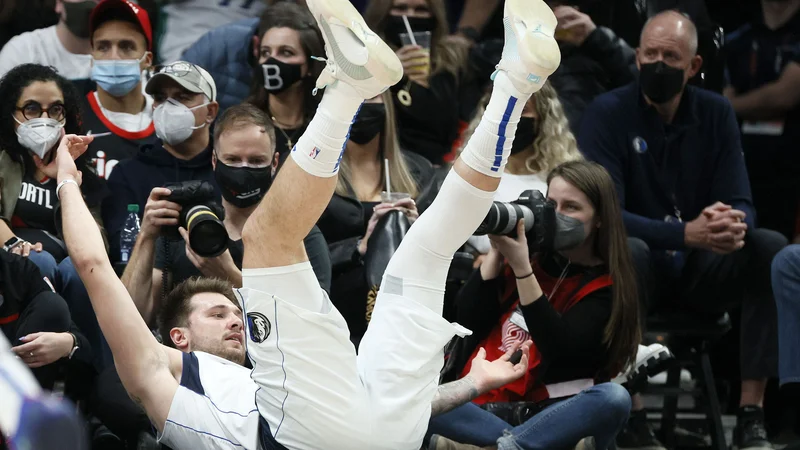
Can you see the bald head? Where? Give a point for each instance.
(671, 26)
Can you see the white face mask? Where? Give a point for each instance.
(39, 135)
(174, 121)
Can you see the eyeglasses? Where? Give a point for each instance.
(34, 110)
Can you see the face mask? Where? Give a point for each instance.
(279, 76)
(569, 233)
(39, 135)
(370, 121)
(395, 26)
(174, 122)
(117, 76)
(526, 134)
(242, 187)
(77, 20)
(660, 82)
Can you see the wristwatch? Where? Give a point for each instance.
(75, 346)
(13, 242)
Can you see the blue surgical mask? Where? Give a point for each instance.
(117, 76)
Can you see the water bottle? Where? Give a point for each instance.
(129, 232)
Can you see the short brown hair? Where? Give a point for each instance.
(240, 116)
(177, 305)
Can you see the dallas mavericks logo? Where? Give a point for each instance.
(259, 327)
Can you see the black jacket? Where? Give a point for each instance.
(602, 63)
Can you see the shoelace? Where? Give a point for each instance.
(329, 66)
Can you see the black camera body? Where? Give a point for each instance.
(201, 216)
(538, 212)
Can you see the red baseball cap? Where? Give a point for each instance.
(136, 13)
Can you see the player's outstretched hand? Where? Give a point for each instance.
(489, 375)
(71, 147)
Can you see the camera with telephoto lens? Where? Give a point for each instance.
(201, 216)
(545, 229)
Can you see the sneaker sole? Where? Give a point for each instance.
(653, 364)
(382, 63)
(537, 48)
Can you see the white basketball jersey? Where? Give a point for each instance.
(186, 21)
(214, 407)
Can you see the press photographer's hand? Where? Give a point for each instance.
(159, 212)
(221, 266)
(515, 250)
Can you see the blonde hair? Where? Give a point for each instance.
(389, 148)
(447, 55)
(554, 144)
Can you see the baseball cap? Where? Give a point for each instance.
(109, 9)
(190, 76)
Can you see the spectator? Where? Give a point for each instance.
(227, 52)
(427, 98)
(186, 20)
(20, 16)
(285, 77)
(356, 206)
(579, 307)
(184, 97)
(245, 162)
(542, 142)
(40, 106)
(763, 64)
(674, 153)
(594, 60)
(65, 46)
(121, 41)
(38, 320)
(786, 285)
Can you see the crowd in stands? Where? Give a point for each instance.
(666, 138)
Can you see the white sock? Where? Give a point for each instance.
(319, 150)
(488, 149)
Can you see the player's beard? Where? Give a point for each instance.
(220, 348)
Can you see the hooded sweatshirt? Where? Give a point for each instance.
(132, 180)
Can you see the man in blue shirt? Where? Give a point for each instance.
(675, 155)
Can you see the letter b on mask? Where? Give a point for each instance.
(272, 77)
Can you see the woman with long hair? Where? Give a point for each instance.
(39, 106)
(284, 78)
(358, 204)
(580, 308)
(426, 99)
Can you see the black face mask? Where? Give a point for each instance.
(369, 123)
(526, 134)
(279, 76)
(77, 20)
(660, 82)
(242, 187)
(395, 26)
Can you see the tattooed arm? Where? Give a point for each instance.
(483, 377)
(454, 394)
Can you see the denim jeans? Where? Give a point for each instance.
(600, 412)
(66, 281)
(786, 286)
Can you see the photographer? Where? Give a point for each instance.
(244, 162)
(184, 97)
(579, 307)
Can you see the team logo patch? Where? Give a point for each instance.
(639, 145)
(259, 327)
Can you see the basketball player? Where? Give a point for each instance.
(308, 388)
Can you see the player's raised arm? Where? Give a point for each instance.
(148, 370)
